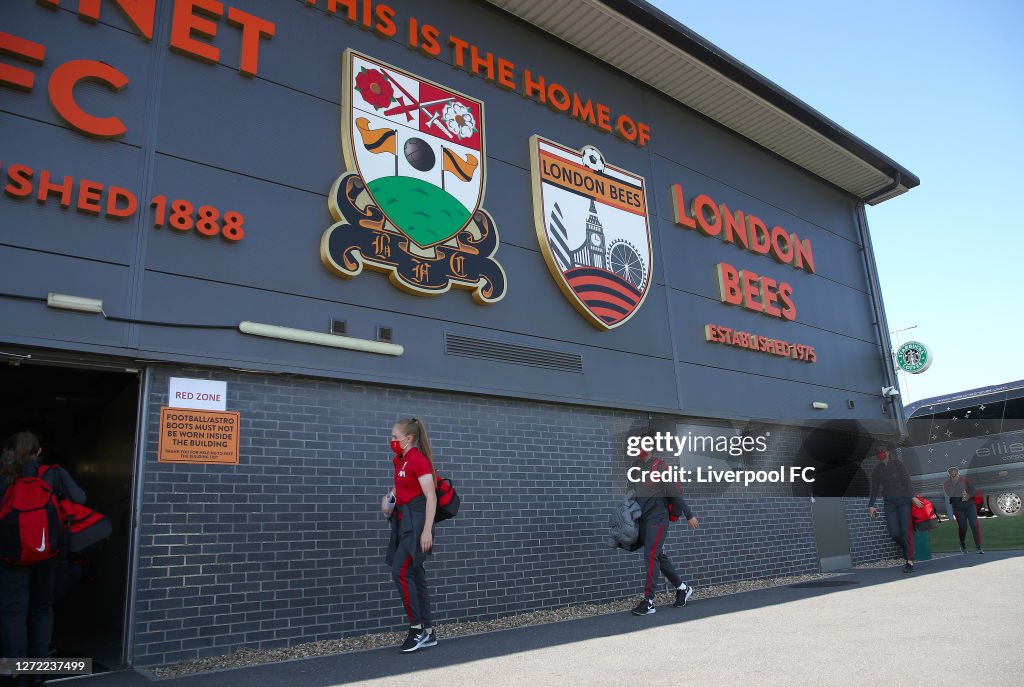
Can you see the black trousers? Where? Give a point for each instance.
(411, 579)
(26, 610)
(897, 518)
(655, 558)
(966, 513)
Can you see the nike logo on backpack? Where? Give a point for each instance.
(42, 547)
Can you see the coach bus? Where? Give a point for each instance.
(981, 433)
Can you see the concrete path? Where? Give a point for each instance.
(870, 627)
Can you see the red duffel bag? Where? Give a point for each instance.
(924, 518)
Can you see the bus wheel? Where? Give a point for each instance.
(1006, 505)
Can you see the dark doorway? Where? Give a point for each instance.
(86, 422)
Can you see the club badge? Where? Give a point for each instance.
(410, 203)
(591, 220)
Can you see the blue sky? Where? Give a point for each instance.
(937, 86)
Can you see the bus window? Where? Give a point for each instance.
(1013, 418)
(917, 429)
(981, 420)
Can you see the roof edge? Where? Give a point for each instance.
(669, 29)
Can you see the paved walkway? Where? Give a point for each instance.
(957, 620)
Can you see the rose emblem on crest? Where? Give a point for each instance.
(375, 88)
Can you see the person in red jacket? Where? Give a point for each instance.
(27, 592)
(411, 507)
(960, 493)
(660, 503)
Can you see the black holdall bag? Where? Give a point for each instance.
(448, 500)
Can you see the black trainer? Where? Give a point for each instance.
(645, 607)
(682, 596)
(963, 549)
(980, 550)
(908, 567)
(417, 639)
(431, 639)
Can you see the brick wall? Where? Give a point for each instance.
(288, 546)
(869, 538)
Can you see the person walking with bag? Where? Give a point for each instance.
(960, 493)
(891, 479)
(660, 504)
(411, 507)
(27, 570)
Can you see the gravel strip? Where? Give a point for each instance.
(898, 562)
(250, 657)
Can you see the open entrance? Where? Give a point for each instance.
(86, 422)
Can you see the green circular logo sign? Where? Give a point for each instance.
(913, 357)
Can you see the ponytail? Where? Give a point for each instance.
(18, 450)
(418, 429)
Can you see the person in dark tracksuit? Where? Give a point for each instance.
(890, 477)
(410, 507)
(27, 592)
(960, 493)
(660, 504)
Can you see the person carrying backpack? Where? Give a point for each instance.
(411, 508)
(660, 503)
(27, 570)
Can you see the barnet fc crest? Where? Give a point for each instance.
(409, 206)
(591, 220)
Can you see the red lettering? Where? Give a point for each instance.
(804, 254)
(679, 215)
(751, 291)
(24, 50)
(186, 23)
(626, 128)
(729, 284)
(534, 89)
(115, 196)
(583, 111)
(481, 63)
(770, 296)
(45, 187)
(759, 237)
(735, 227)
(558, 98)
(253, 29)
(643, 135)
(702, 204)
(140, 13)
(506, 70)
(89, 197)
(782, 249)
(62, 84)
(459, 46)
(604, 118)
(384, 25)
(20, 185)
(788, 308)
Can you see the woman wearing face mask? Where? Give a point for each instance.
(411, 507)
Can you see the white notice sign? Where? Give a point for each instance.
(203, 394)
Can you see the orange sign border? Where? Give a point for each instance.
(232, 449)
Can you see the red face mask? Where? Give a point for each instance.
(396, 446)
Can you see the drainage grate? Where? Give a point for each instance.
(822, 583)
(515, 354)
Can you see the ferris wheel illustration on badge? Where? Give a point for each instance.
(624, 260)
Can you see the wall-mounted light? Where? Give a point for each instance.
(76, 303)
(819, 405)
(273, 331)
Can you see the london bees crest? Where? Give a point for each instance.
(592, 226)
(410, 203)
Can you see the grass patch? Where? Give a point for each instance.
(997, 534)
